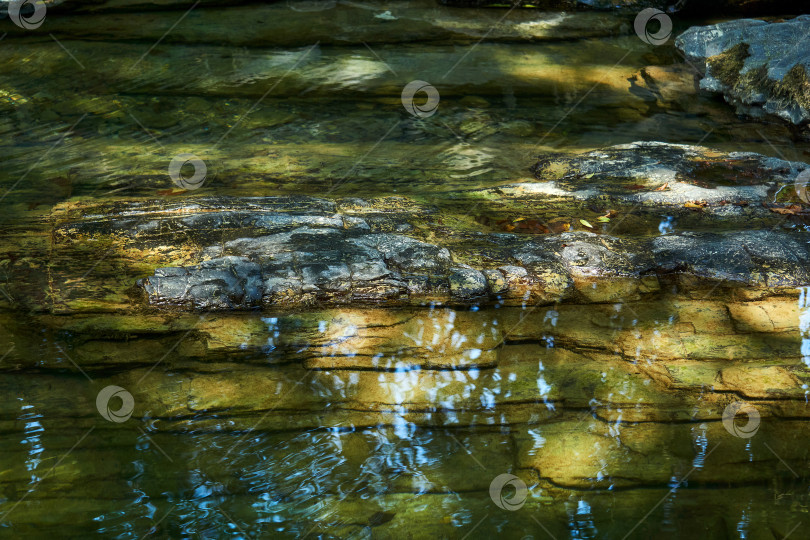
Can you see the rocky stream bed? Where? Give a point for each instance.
(594, 250)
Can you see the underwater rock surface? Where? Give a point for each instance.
(330, 266)
(758, 66)
(635, 172)
(623, 223)
(233, 253)
(653, 284)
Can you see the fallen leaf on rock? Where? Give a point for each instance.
(791, 210)
(171, 191)
(695, 204)
(607, 216)
(533, 226)
(586, 223)
(662, 188)
(506, 225)
(559, 226)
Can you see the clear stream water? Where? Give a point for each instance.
(364, 423)
(346, 424)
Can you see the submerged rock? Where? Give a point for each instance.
(758, 66)
(721, 231)
(650, 188)
(335, 266)
(666, 174)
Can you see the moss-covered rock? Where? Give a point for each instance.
(758, 66)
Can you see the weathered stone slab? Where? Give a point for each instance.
(336, 259)
(398, 269)
(668, 175)
(208, 252)
(761, 67)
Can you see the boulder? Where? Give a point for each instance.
(758, 66)
(588, 229)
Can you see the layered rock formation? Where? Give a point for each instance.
(759, 66)
(356, 364)
(577, 400)
(612, 225)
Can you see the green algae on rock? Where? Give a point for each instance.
(578, 419)
(208, 252)
(758, 66)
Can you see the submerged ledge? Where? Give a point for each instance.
(236, 253)
(338, 266)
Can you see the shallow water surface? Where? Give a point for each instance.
(612, 420)
(380, 423)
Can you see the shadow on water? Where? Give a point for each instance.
(350, 423)
(607, 420)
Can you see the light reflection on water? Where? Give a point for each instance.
(396, 425)
(804, 323)
(362, 424)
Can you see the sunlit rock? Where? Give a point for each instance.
(758, 66)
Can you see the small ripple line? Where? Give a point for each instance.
(31, 490)
(670, 492)
(166, 34)
(43, 156)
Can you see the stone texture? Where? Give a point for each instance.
(758, 66)
(634, 173)
(224, 283)
(307, 265)
(244, 253)
(722, 232)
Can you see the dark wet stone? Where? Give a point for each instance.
(369, 270)
(467, 283)
(495, 281)
(323, 276)
(753, 258)
(338, 266)
(300, 251)
(407, 254)
(224, 283)
(758, 66)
